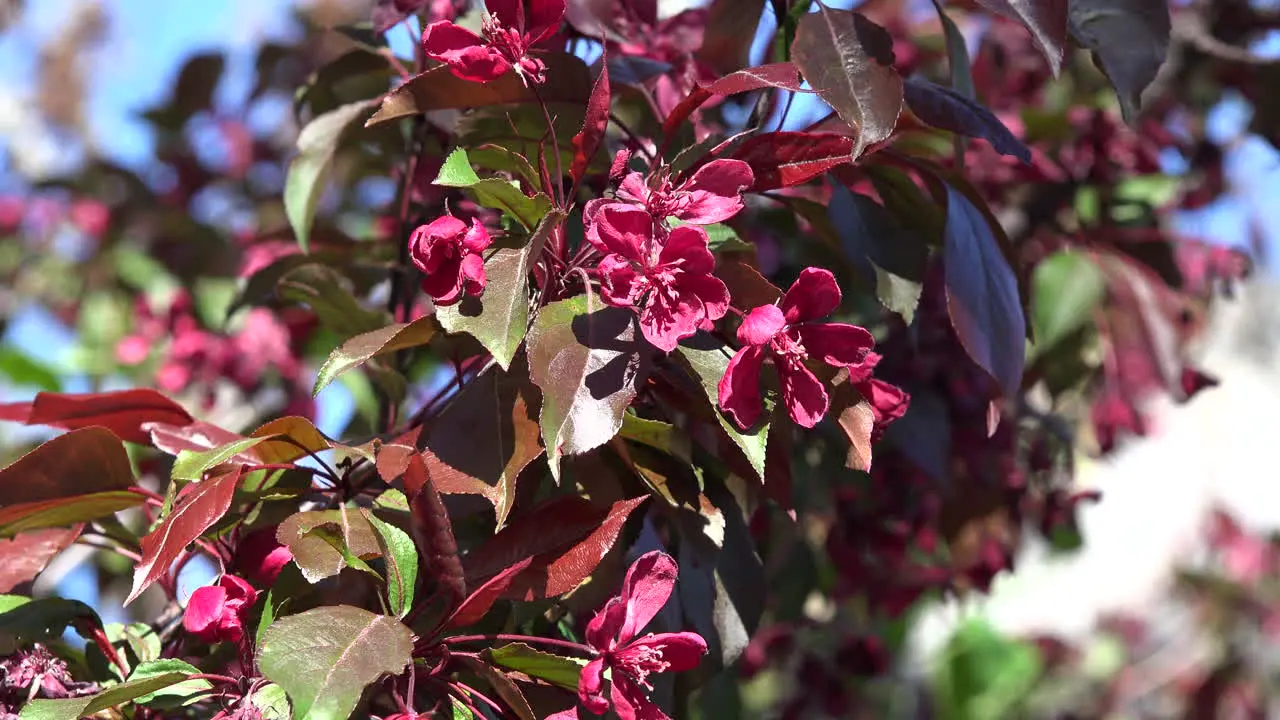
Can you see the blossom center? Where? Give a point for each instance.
(788, 351)
(638, 661)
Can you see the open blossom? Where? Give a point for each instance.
(669, 283)
(631, 659)
(510, 30)
(712, 194)
(785, 332)
(448, 251)
(220, 611)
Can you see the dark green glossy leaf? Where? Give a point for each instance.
(326, 292)
(402, 565)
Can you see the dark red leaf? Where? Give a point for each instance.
(124, 412)
(478, 603)
(784, 76)
(197, 436)
(848, 60)
(783, 159)
(748, 288)
(731, 28)
(587, 142)
(431, 521)
(1046, 19)
(1129, 40)
(945, 108)
(64, 511)
(566, 536)
(198, 506)
(23, 556)
(82, 461)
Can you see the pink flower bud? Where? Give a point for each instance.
(219, 612)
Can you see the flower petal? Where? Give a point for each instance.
(544, 19)
(603, 629)
(620, 284)
(714, 193)
(711, 290)
(630, 701)
(760, 325)
(680, 650)
(687, 248)
(238, 590)
(591, 686)
(739, 390)
(625, 230)
(664, 322)
(472, 274)
(813, 295)
(467, 54)
(204, 610)
(804, 396)
(648, 585)
(445, 284)
(633, 188)
(836, 344)
(477, 238)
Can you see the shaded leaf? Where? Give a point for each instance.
(431, 519)
(947, 109)
(782, 159)
(198, 506)
(708, 364)
(504, 686)
(783, 76)
(958, 62)
(1066, 288)
(499, 318)
(1129, 40)
(56, 468)
(26, 554)
(73, 708)
(439, 89)
(324, 290)
(1046, 19)
(747, 287)
(587, 142)
(61, 512)
(495, 193)
(888, 256)
(478, 603)
(401, 557)
(554, 669)
(848, 60)
(324, 658)
(588, 360)
(360, 349)
(322, 540)
(482, 442)
(309, 169)
(856, 419)
(44, 619)
(982, 295)
(567, 536)
(730, 29)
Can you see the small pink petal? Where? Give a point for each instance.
(630, 701)
(836, 344)
(712, 291)
(603, 629)
(760, 325)
(804, 396)
(476, 238)
(648, 585)
(681, 650)
(739, 390)
(687, 247)
(714, 193)
(813, 295)
(590, 687)
(633, 188)
(626, 231)
(665, 323)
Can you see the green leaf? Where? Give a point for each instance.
(499, 318)
(708, 365)
(44, 619)
(322, 541)
(984, 674)
(493, 193)
(324, 658)
(402, 565)
(172, 695)
(722, 238)
(1065, 290)
(73, 708)
(957, 55)
(588, 359)
(658, 435)
(309, 170)
(362, 348)
(325, 291)
(192, 465)
(460, 711)
(272, 702)
(24, 371)
(554, 669)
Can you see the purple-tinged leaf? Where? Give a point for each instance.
(849, 60)
(435, 531)
(57, 468)
(25, 555)
(783, 159)
(587, 142)
(949, 110)
(1129, 40)
(474, 608)
(730, 31)
(1046, 19)
(198, 506)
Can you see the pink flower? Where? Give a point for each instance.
(632, 659)
(784, 333)
(510, 30)
(670, 284)
(448, 252)
(91, 217)
(260, 556)
(713, 194)
(219, 612)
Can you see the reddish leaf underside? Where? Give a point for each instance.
(25, 555)
(124, 412)
(587, 141)
(435, 530)
(478, 603)
(56, 469)
(198, 506)
(783, 159)
(62, 512)
(784, 76)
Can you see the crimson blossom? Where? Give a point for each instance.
(668, 281)
(447, 251)
(511, 28)
(785, 332)
(631, 659)
(220, 611)
(712, 194)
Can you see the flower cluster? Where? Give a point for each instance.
(511, 29)
(220, 611)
